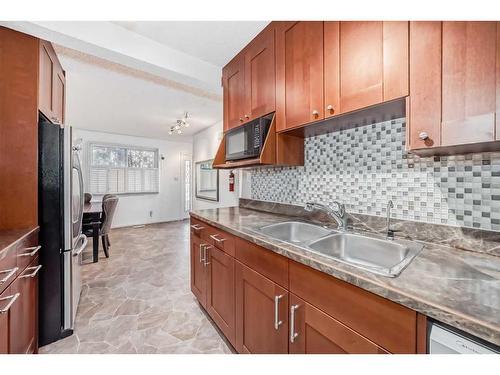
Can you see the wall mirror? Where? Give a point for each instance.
(207, 181)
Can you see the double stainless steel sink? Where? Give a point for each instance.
(366, 251)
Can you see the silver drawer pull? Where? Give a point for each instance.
(215, 238)
(205, 258)
(32, 274)
(197, 226)
(10, 273)
(202, 250)
(30, 251)
(277, 321)
(11, 299)
(293, 334)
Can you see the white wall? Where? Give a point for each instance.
(205, 144)
(135, 209)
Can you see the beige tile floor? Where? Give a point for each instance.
(139, 300)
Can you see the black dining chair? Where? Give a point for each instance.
(109, 203)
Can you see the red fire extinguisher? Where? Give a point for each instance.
(231, 181)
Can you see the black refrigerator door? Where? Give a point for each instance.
(50, 198)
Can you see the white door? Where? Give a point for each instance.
(186, 184)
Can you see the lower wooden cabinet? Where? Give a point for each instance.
(19, 313)
(261, 313)
(212, 282)
(198, 273)
(265, 303)
(6, 301)
(220, 290)
(314, 332)
(23, 320)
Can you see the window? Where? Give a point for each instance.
(122, 169)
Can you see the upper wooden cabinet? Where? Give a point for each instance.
(249, 81)
(361, 64)
(454, 90)
(299, 73)
(233, 83)
(329, 68)
(260, 76)
(51, 94)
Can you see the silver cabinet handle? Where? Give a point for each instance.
(32, 274)
(423, 136)
(215, 238)
(11, 299)
(293, 334)
(202, 249)
(207, 247)
(315, 113)
(10, 273)
(30, 251)
(197, 226)
(330, 108)
(277, 321)
(247, 117)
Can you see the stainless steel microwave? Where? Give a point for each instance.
(246, 141)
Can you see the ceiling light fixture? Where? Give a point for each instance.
(179, 124)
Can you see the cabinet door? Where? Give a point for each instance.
(361, 64)
(7, 299)
(314, 332)
(332, 67)
(260, 76)
(233, 82)
(58, 93)
(261, 313)
(220, 291)
(299, 73)
(23, 323)
(424, 125)
(468, 82)
(45, 78)
(198, 273)
(395, 59)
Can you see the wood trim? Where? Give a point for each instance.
(268, 153)
(331, 66)
(421, 334)
(220, 155)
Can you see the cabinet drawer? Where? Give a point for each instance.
(386, 323)
(27, 250)
(8, 267)
(222, 240)
(200, 229)
(265, 262)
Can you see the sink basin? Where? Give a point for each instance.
(295, 231)
(385, 257)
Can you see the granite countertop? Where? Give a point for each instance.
(457, 287)
(11, 237)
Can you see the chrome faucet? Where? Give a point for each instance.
(390, 232)
(338, 214)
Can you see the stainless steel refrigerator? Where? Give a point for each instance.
(60, 197)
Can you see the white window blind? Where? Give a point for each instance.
(122, 169)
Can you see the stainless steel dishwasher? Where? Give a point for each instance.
(445, 340)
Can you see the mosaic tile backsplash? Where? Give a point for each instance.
(366, 166)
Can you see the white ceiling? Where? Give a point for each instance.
(216, 42)
(185, 57)
(105, 100)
